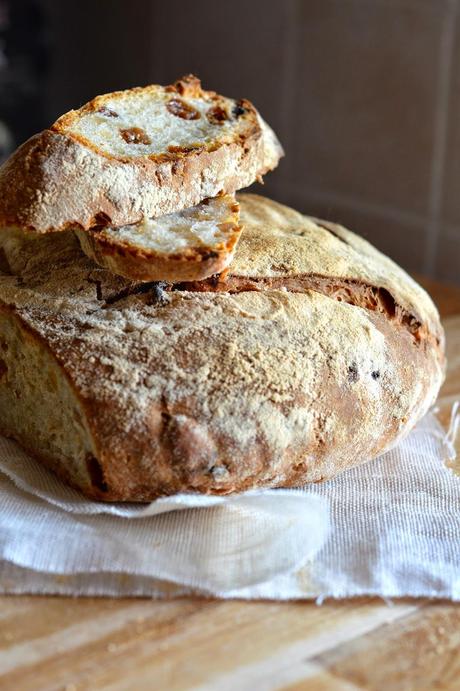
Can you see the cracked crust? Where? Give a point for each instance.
(315, 353)
(48, 183)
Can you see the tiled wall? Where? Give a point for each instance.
(364, 94)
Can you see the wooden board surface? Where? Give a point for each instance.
(74, 644)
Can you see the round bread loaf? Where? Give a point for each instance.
(314, 353)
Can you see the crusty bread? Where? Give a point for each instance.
(315, 353)
(145, 152)
(185, 246)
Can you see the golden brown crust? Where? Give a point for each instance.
(218, 392)
(189, 263)
(58, 180)
(126, 260)
(302, 245)
(353, 292)
(45, 186)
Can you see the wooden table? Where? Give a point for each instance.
(65, 643)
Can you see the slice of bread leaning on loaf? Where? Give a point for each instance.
(183, 246)
(173, 338)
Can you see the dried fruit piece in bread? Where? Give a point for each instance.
(144, 152)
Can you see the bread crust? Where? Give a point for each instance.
(48, 184)
(125, 260)
(259, 385)
(191, 263)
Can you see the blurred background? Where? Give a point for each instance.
(364, 95)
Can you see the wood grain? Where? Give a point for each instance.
(74, 644)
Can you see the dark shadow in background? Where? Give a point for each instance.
(58, 55)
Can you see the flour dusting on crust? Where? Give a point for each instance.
(195, 390)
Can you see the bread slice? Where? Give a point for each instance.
(188, 245)
(144, 152)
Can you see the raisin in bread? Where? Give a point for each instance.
(144, 152)
(315, 353)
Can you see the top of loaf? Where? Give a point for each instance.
(322, 249)
(280, 248)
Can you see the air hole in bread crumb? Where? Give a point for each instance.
(3, 368)
(96, 473)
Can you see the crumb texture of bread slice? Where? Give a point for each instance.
(156, 121)
(188, 245)
(153, 122)
(144, 152)
(313, 354)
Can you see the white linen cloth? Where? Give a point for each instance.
(390, 528)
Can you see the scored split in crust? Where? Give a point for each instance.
(210, 391)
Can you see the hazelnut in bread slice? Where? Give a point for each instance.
(188, 245)
(135, 154)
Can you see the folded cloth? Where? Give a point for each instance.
(390, 528)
